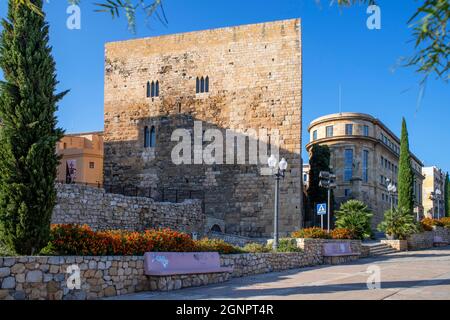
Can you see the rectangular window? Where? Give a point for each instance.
(365, 167)
(329, 131)
(349, 129)
(382, 161)
(91, 165)
(348, 165)
(314, 135)
(305, 177)
(366, 131)
(348, 192)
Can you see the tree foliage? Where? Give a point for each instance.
(405, 173)
(398, 223)
(319, 161)
(28, 132)
(354, 215)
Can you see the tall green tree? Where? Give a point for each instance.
(319, 161)
(447, 196)
(405, 173)
(28, 133)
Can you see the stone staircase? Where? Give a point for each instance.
(377, 248)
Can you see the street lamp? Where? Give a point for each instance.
(438, 193)
(280, 168)
(392, 189)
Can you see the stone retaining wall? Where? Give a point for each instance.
(314, 248)
(100, 210)
(425, 240)
(257, 263)
(399, 245)
(47, 277)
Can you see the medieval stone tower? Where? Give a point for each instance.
(232, 80)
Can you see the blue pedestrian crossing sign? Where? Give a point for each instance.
(321, 209)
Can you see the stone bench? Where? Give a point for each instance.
(175, 270)
(338, 252)
(439, 242)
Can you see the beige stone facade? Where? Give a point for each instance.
(82, 158)
(433, 203)
(237, 78)
(364, 154)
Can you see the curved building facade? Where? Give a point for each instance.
(364, 157)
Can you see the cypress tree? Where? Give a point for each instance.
(405, 173)
(319, 161)
(447, 196)
(28, 133)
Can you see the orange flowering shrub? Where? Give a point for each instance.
(428, 223)
(445, 221)
(313, 233)
(342, 233)
(81, 240)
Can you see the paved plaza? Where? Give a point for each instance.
(407, 275)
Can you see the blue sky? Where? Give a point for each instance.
(338, 50)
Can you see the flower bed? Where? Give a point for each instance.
(319, 233)
(82, 241)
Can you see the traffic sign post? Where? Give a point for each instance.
(327, 181)
(321, 210)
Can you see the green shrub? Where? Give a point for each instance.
(311, 233)
(355, 216)
(256, 248)
(398, 223)
(288, 245)
(216, 245)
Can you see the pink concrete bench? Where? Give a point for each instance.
(179, 263)
(439, 242)
(338, 249)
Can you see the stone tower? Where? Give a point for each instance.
(232, 80)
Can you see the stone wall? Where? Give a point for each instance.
(314, 247)
(235, 239)
(425, 240)
(46, 277)
(399, 245)
(77, 204)
(257, 263)
(255, 83)
(37, 278)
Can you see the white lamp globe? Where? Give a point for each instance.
(283, 164)
(272, 162)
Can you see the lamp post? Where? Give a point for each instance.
(280, 168)
(438, 193)
(392, 189)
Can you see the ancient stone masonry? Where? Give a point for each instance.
(35, 278)
(254, 75)
(86, 205)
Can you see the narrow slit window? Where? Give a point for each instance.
(207, 84)
(202, 85)
(152, 92)
(157, 89)
(152, 137)
(148, 89)
(197, 85)
(146, 137)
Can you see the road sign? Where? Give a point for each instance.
(321, 209)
